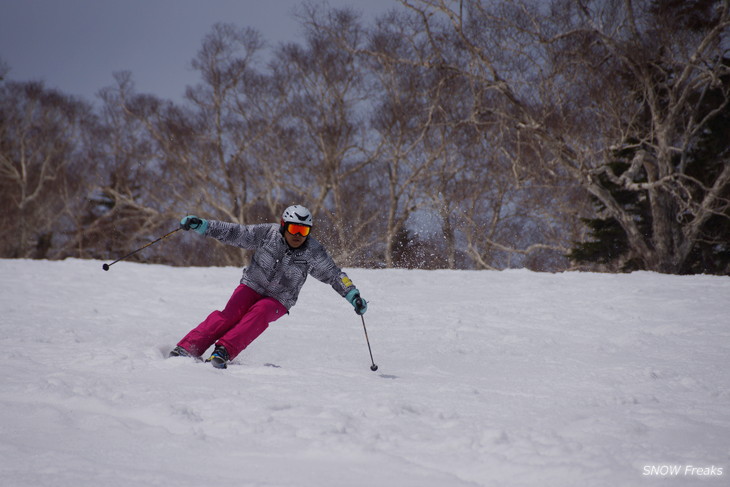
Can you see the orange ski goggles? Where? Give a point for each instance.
(302, 230)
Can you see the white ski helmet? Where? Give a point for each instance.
(297, 214)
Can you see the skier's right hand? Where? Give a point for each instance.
(189, 222)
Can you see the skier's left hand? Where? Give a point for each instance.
(360, 305)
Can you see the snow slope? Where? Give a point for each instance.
(505, 378)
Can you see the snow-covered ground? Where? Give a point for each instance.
(507, 378)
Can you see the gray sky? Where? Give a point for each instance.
(76, 45)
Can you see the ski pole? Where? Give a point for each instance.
(372, 367)
(106, 266)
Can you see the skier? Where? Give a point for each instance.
(284, 255)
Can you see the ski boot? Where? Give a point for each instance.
(181, 352)
(219, 357)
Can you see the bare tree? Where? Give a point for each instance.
(40, 174)
(232, 115)
(326, 158)
(132, 200)
(407, 119)
(199, 158)
(447, 159)
(4, 69)
(582, 79)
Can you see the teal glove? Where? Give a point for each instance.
(192, 222)
(360, 305)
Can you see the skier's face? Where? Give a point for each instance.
(294, 240)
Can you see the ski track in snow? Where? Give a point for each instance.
(509, 378)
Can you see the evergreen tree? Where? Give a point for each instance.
(609, 245)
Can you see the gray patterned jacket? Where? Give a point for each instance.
(276, 270)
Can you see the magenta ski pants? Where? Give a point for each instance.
(246, 315)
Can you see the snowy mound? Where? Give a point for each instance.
(486, 379)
